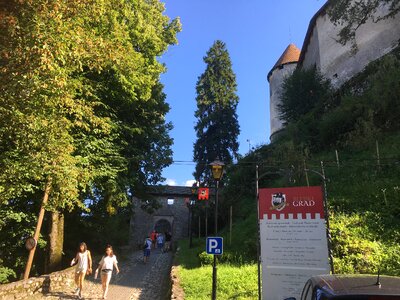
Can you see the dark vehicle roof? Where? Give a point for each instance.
(341, 285)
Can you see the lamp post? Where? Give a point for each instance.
(190, 205)
(217, 169)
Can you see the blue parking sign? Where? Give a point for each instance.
(215, 245)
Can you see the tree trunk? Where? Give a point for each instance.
(56, 241)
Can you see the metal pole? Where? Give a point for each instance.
(206, 218)
(337, 159)
(199, 226)
(214, 275)
(230, 225)
(258, 237)
(216, 211)
(214, 279)
(305, 171)
(378, 157)
(328, 231)
(190, 227)
(189, 217)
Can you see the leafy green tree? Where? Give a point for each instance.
(217, 126)
(59, 133)
(302, 92)
(352, 14)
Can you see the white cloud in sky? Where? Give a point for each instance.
(171, 182)
(190, 182)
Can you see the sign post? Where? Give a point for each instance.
(293, 239)
(215, 245)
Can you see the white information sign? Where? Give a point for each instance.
(293, 240)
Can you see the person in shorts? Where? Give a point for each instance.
(106, 266)
(160, 241)
(146, 249)
(83, 262)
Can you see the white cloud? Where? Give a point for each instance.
(190, 182)
(171, 182)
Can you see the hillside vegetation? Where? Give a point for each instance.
(353, 136)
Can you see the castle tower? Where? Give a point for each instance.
(284, 67)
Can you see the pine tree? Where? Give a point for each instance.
(217, 126)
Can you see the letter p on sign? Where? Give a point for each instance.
(214, 245)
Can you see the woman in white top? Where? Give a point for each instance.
(83, 261)
(106, 265)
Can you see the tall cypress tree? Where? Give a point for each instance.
(217, 127)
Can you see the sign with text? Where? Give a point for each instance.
(215, 245)
(294, 245)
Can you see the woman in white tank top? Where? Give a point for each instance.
(83, 262)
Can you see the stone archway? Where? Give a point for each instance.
(163, 225)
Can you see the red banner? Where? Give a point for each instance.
(291, 203)
(203, 193)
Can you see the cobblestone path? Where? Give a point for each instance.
(136, 281)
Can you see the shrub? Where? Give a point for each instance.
(205, 259)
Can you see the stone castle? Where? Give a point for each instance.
(334, 61)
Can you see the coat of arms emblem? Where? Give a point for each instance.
(278, 201)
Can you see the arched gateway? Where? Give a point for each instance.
(163, 226)
(172, 216)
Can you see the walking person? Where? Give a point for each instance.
(147, 249)
(83, 262)
(106, 266)
(168, 238)
(153, 237)
(160, 241)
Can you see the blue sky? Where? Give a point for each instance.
(256, 32)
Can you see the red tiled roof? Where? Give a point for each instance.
(290, 55)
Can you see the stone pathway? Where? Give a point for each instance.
(136, 281)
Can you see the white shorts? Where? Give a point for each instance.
(81, 270)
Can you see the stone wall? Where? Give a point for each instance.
(35, 287)
(336, 61)
(176, 214)
(275, 87)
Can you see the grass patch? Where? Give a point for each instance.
(235, 281)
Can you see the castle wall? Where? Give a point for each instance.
(312, 56)
(336, 61)
(275, 87)
(142, 223)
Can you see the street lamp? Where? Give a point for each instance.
(217, 169)
(190, 204)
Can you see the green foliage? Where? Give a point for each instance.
(16, 218)
(304, 92)
(235, 281)
(81, 105)
(364, 108)
(357, 249)
(217, 127)
(206, 259)
(5, 274)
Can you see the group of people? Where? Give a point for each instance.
(83, 262)
(156, 240)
